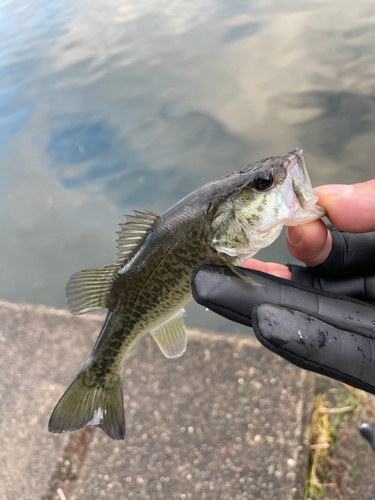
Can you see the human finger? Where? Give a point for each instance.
(269, 268)
(310, 243)
(349, 208)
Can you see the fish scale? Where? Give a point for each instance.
(224, 222)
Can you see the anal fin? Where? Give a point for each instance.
(171, 336)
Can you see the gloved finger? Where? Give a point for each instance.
(351, 254)
(217, 288)
(347, 252)
(358, 287)
(316, 344)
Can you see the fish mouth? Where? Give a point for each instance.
(298, 192)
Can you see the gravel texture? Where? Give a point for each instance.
(225, 421)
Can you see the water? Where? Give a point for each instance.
(108, 106)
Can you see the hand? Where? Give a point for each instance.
(313, 321)
(311, 243)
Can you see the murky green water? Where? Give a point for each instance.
(108, 106)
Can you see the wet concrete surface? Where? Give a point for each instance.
(225, 421)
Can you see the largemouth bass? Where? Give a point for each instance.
(223, 222)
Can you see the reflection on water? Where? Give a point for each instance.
(76, 139)
(329, 119)
(110, 106)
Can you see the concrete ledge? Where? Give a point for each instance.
(225, 421)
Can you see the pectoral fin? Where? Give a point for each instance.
(238, 272)
(171, 336)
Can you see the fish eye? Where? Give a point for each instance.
(263, 183)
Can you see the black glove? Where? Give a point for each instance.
(315, 321)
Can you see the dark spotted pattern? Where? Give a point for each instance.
(155, 283)
(150, 295)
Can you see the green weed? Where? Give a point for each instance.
(332, 409)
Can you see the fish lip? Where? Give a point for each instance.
(302, 163)
(298, 158)
(304, 199)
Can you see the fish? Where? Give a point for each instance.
(224, 222)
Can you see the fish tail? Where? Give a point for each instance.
(91, 400)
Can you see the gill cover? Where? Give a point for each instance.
(278, 193)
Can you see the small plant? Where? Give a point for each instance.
(331, 409)
(242, 386)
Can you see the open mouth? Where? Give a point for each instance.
(298, 193)
(295, 175)
(301, 184)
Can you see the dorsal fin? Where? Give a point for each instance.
(89, 289)
(133, 233)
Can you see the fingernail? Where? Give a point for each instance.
(339, 189)
(295, 235)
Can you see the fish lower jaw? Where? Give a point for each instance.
(305, 216)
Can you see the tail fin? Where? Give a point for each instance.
(91, 402)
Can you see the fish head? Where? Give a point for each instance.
(271, 193)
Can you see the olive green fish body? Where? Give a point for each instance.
(224, 222)
(149, 293)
